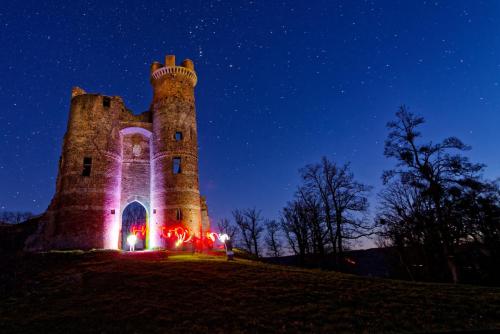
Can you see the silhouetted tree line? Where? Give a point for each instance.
(252, 232)
(436, 211)
(14, 217)
(15, 227)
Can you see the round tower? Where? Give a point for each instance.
(175, 196)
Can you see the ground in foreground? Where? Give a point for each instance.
(153, 292)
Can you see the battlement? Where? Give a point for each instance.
(158, 70)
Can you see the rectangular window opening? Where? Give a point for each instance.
(178, 214)
(106, 101)
(178, 136)
(177, 165)
(87, 166)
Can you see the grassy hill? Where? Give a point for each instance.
(110, 292)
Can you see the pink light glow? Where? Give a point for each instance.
(112, 222)
(113, 232)
(153, 234)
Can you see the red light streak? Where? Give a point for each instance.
(138, 230)
(182, 234)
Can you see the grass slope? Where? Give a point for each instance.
(151, 293)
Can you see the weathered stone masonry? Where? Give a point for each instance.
(111, 158)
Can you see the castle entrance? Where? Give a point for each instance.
(135, 201)
(134, 221)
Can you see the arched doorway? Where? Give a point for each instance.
(134, 221)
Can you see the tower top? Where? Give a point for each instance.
(186, 69)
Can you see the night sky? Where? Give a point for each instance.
(280, 84)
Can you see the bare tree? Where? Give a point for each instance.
(242, 224)
(437, 171)
(225, 226)
(254, 223)
(249, 222)
(317, 226)
(349, 197)
(295, 224)
(344, 201)
(402, 216)
(272, 239)
(314, 183)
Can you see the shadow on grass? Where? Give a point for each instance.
(162, 292)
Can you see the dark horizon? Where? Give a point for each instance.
(280, 85)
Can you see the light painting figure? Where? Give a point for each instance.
(131, 240)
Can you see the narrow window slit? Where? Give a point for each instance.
(106, 101)
(176, 162)
(87, 166)
(178, 136)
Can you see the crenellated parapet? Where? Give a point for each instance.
(186, 70)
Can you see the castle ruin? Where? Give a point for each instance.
(112, 158)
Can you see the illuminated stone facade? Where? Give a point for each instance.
(111, 158)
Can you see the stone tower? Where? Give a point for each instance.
(112, 158)
(174, 183)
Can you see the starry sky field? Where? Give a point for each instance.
(280, 84)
